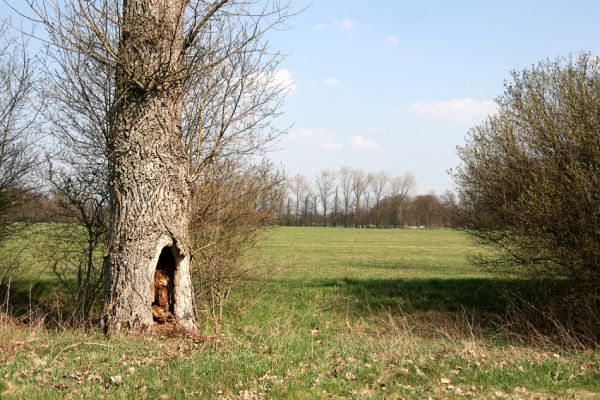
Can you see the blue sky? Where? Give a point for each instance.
(395, 85)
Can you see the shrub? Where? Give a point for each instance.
(529, 183)
(232, 205)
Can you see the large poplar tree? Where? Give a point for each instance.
(159, 52)
(149, 180)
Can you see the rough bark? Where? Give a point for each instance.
(149, 175)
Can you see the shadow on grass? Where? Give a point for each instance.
(370, 296)
(487, 298)
(534, 311)
(29, 300)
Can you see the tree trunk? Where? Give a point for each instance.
(148, 272)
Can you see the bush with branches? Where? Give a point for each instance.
(232, 206)
(529, 183)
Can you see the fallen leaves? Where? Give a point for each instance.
(456, 370)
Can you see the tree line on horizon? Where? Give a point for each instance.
(344, 198)
(354, 198)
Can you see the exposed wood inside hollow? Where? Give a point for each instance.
(163, 289)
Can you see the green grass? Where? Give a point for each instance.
(33, 280)
(330, 313)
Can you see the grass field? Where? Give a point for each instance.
(327, 313)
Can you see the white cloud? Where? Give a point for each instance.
(306, 135)
(464, 111)
(331, 82)
(392, 40)
(284, 79)
(278, 79)
(322, 27)
(319, 137)
(334, 146)
(345, 24)
(359, 142)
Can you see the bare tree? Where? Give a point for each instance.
(305, 208)
(401, 187)
(359, 185)
(325, 181)
(378, 184)
(309, 209)
(449, 204)
(298, 185)
(79, 95)
(227, 126)
(346, 183)
(287, 210)
(367, 197)
(353, 196)
(315, 206)
(157, 51)
(237, 200)
(230, 106)
(336, 204)
(75, 249)
(17, 157)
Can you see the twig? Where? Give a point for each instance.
(79, 344)
(326, 308)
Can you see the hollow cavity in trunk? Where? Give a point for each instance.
(163, 288)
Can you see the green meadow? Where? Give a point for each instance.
(323, 313)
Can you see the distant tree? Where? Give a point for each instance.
(305, 208)
(336, 204)
(425, 210)
(350, 194)
(298, 186)
(401, 187)
(325, 181)
(346, 185)
(378, 183)
(450, 206)
(367, 200)
(288, 211)
(529, 182)
(359, 186)
(33, 207)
